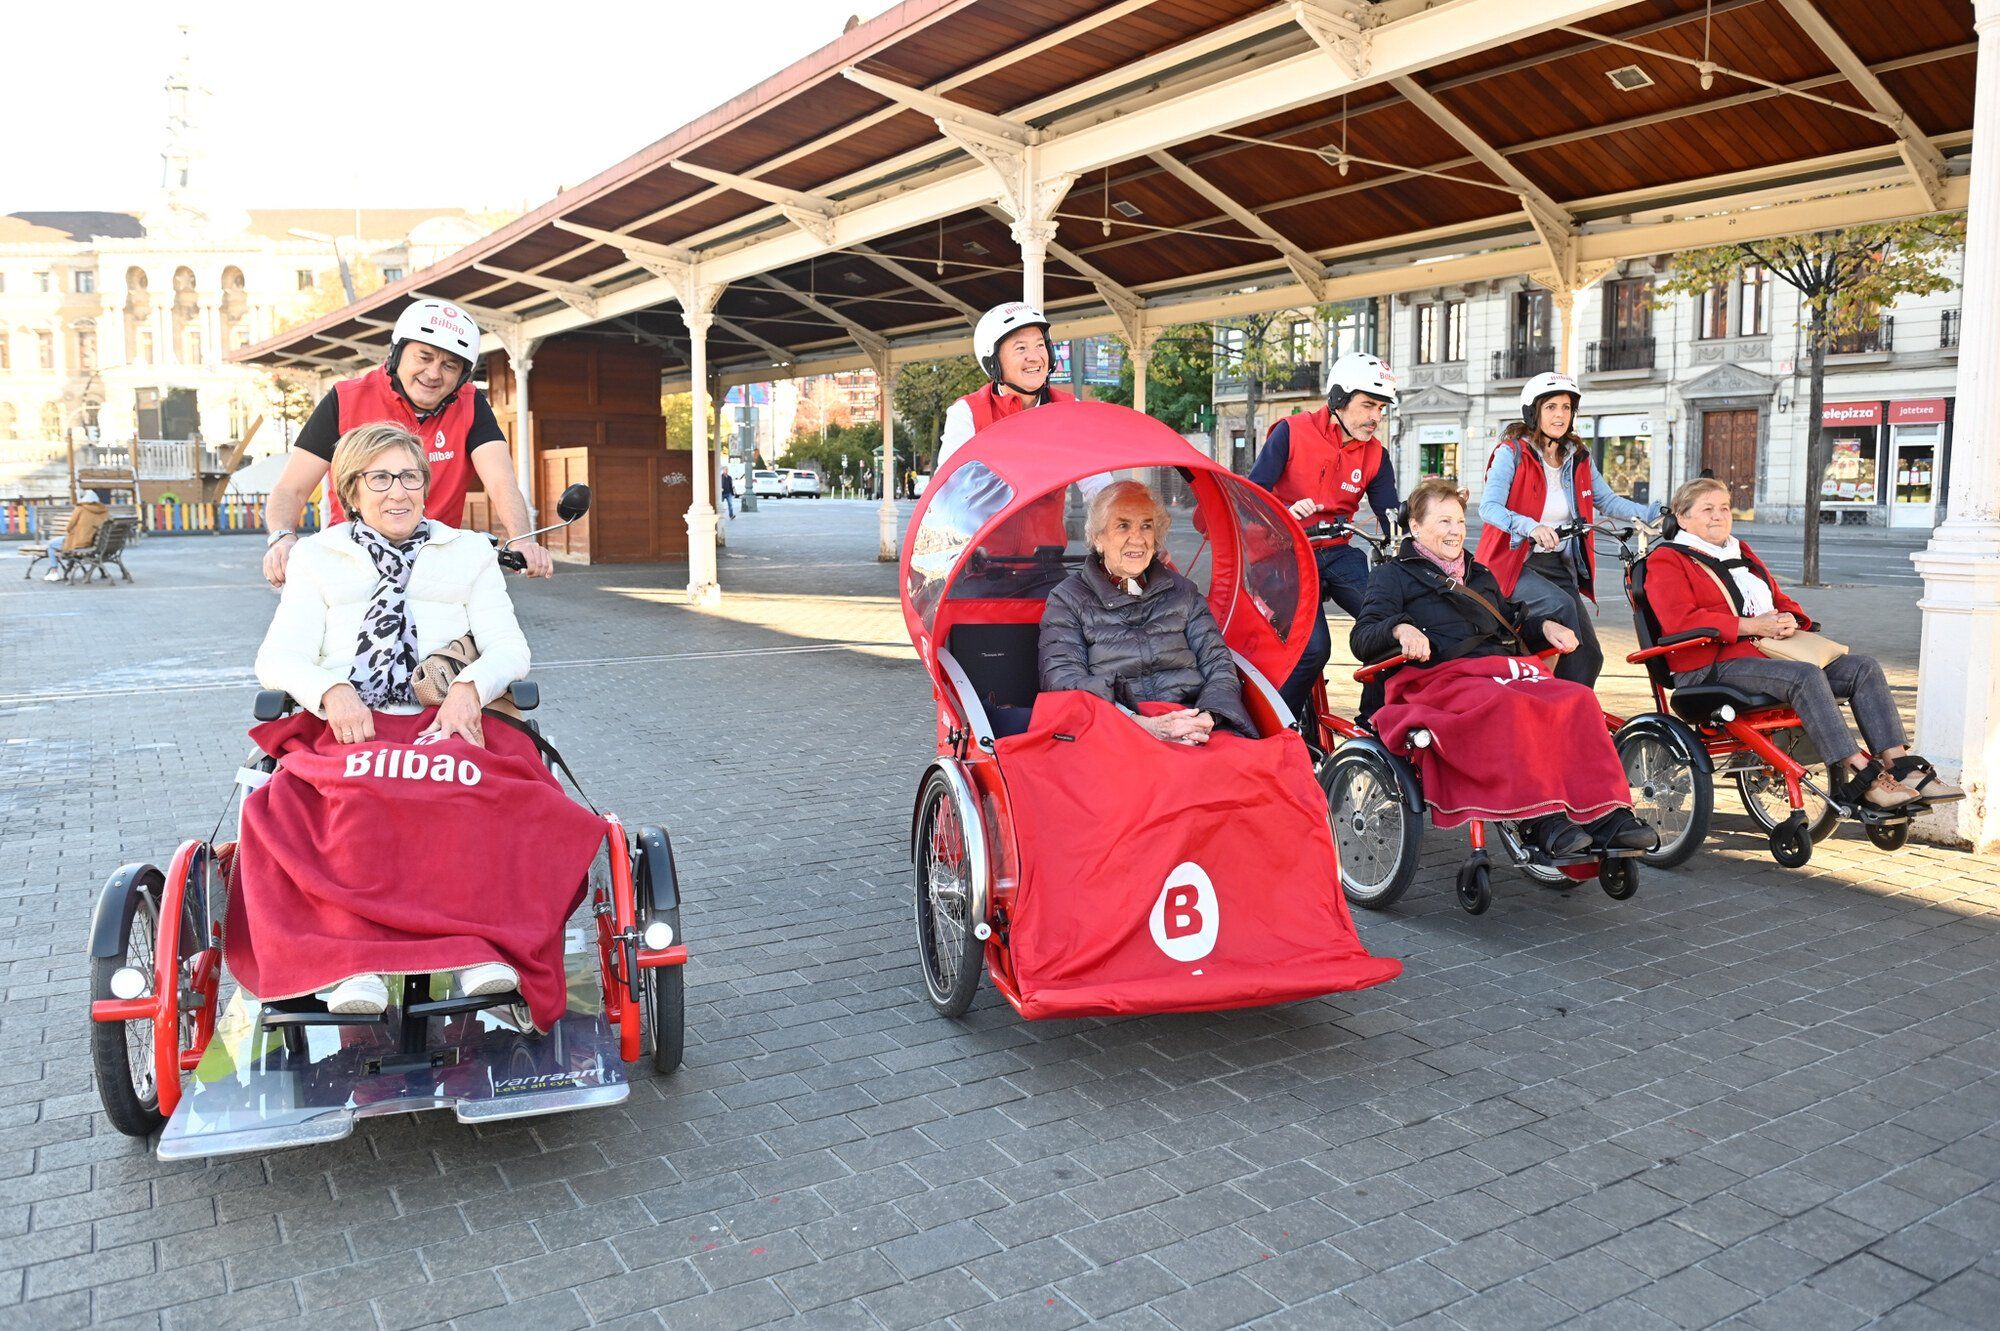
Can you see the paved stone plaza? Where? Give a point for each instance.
(1747, 1096)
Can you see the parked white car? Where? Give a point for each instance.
(798, 482)
(768, 484)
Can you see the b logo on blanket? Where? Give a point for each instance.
(1187, 915)
(414, 766)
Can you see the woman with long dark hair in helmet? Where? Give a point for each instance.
(1320, 464)
(1539, 478)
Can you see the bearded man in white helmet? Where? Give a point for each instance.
(425, 387)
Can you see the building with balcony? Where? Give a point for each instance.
(1718, 382)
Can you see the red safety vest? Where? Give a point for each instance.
(1040, 523)
(1498, 549)
(1326, 465)
(372, 398)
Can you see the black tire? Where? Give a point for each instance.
(1475, 887)
(1887, 836)
(1763, 792)
(946, 939)
(1791, 844)
(1619, 878)
(662, 989)
(1377, 836)
(121, 1053)
(1673, 796)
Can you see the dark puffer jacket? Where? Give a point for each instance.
(1162, 645)
(1410, 589)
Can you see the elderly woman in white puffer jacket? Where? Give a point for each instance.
(366, 600)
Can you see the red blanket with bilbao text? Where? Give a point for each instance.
(1160, 877)
(1508, 741)
(405, 854)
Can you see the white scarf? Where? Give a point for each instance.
(1755, 591)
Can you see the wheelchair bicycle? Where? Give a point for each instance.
(1376, 806)
(1697, 733)
(170, 1057)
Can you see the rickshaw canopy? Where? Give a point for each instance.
(976, 537)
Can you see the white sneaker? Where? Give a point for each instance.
(489, 978)
(53, 575)
(358, 996)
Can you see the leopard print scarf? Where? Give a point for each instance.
(386, 657)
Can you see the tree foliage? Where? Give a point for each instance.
(1180, 382)
(1845, 279)
(678, 411)
(924, 392)
(326, 294)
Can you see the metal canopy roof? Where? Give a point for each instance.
(1220, 156)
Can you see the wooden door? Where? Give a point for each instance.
(1729, 453)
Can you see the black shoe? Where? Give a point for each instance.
(1558, 837)
(1621, 829)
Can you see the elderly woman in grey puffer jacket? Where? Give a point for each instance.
(1131, 630)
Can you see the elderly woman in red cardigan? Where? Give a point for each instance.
(1704, 578)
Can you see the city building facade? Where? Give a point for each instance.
(1719, 382)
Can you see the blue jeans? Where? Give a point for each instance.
(1343, 578)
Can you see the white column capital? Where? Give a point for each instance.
(698, 321)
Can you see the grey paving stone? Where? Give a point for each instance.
(1741, 1080)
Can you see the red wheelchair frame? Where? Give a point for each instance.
(183, 977)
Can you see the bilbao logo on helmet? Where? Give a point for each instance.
(1187, 914)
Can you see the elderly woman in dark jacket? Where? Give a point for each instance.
(1131, 630)
(1433, 603)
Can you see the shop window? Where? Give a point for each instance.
(1852, 478)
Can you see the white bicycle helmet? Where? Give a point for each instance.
(993, 328)
(436, 324)
(1359, 372)
(1546, 385)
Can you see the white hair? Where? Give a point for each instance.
(1099, 513)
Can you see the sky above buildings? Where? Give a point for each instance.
(495, 104)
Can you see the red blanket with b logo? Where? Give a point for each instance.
(404, 854)
(1160, 877)
(1508, 741)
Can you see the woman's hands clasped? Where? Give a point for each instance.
(1772, 624)
(1187, 726)
(1412, 642)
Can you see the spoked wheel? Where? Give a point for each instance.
(1675, 798)
(121, 1053)
(1619, 878)
(1475, 886)
(1764, 799)
(1887, 836)
(1377, 835)
(948, 860)
(1791, 844)
(662, 989)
